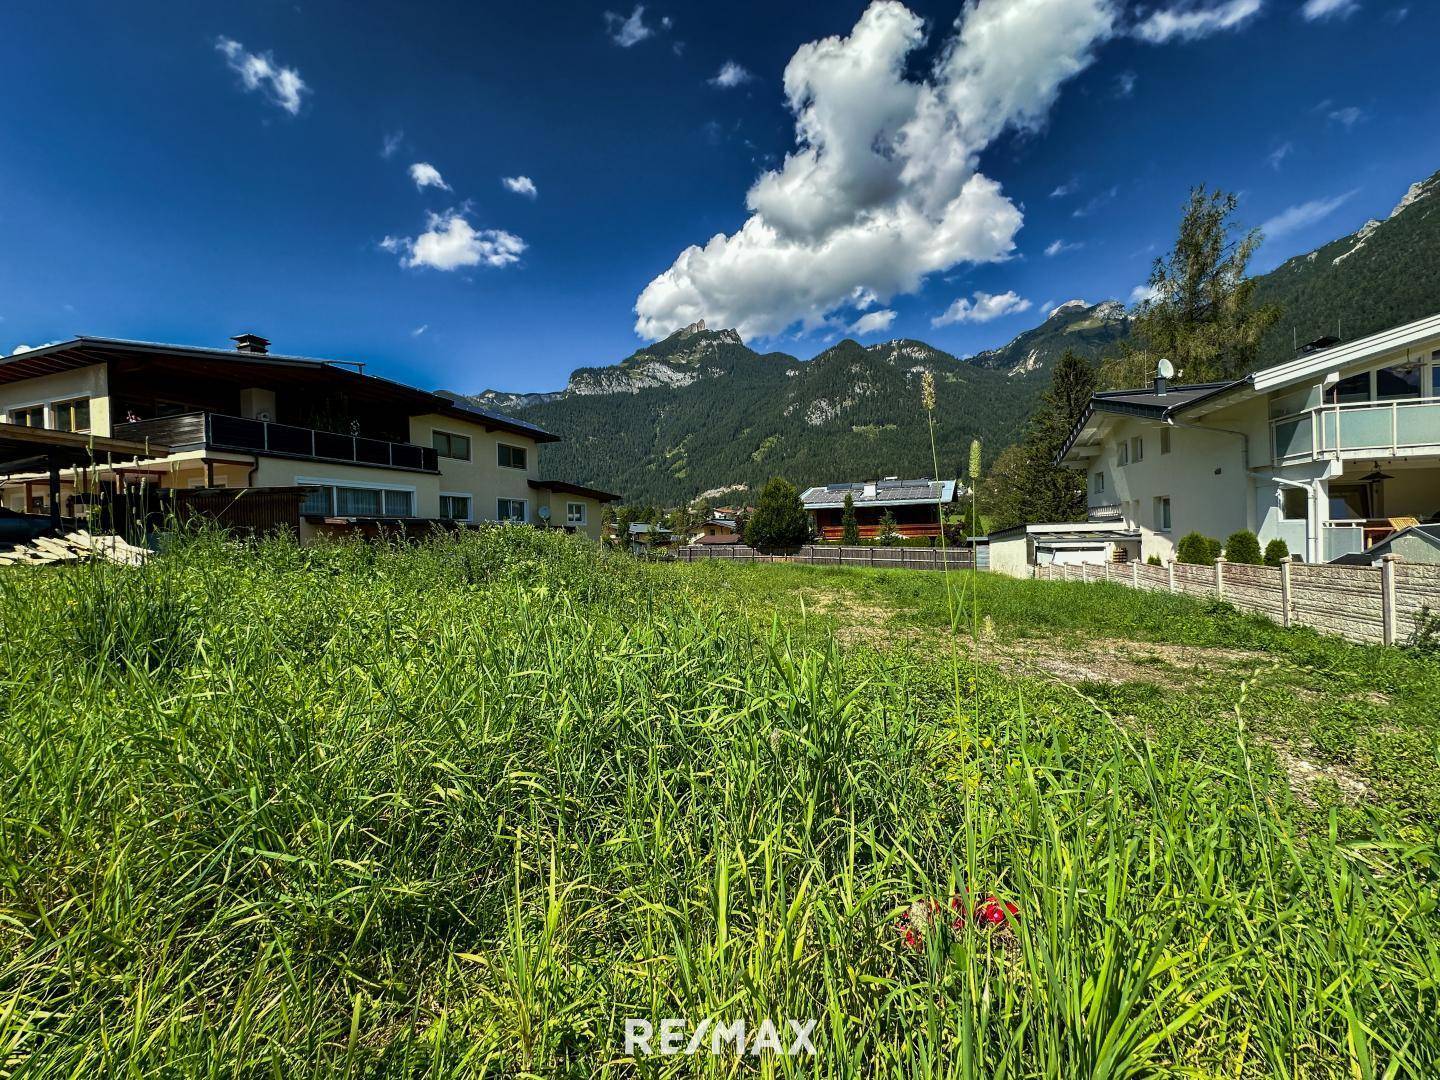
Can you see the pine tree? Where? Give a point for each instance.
(779, 520)
(888, 535)
(848, 523)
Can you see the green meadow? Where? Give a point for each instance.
(463, 807)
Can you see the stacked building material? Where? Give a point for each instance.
(73, 547)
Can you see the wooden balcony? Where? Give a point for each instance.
(216, 431)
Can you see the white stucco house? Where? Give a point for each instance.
(1331, 451)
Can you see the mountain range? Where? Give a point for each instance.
(701, 413)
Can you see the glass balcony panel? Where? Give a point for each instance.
(237, 432)
(1418, 425)
(330, 445)
(1293, 438)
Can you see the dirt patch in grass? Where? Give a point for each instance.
(1303, 774)
(1077, 660)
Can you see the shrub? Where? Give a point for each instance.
(1197, 548)
(1276, 550)
(779, 520)
(1243, 547)
(1154, 560)
(888, 536)
(850, 527)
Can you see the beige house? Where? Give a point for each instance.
(1332, 451)
(370, 452)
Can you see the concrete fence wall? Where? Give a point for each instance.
(1373, 604)
(896, 558)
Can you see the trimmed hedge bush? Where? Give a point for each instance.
(1243, 547)
(1198, 549)
(1276, 550)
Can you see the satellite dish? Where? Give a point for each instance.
(1165, 369)
(543, 513)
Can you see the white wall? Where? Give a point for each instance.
(1011, 556)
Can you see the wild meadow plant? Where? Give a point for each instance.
(462, 807)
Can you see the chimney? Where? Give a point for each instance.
(251, 343)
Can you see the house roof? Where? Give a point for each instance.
(1085, 539)
(567, 488)
(1429, 534)
(1046, 530)
(720, 539)
(300, 372)
(879, 493)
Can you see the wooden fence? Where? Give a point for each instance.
(893, 558)
(1372, 604)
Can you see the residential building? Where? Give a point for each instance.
(367, 451)
(1331, 451)
(914, 505)
(1013, 551)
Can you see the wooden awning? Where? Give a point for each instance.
(32, 449)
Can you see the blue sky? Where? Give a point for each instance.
(186, 172)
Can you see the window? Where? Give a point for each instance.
(452, 446)
(512, 457)
(510, 509)
(1137, 449)
(1435, 378)
(1164, 440)
(73, 415)
(333, 499)
(455, 507)
(1294, 504)
(1400, 381)
(1122, 453)
(1099, 482)
(34, 416)
(574, 513)
(1355, 388)
(1162, 513)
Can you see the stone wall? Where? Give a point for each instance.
(1373, 604)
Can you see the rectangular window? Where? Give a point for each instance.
(510, 509)
(450, 445)
(1122, 453)
(73, 415)
(1398, 382)
(1294, 504)
(1162, 513)
(455, 507)
(1355, 388)
(574, 513)
(512, 457)
(31, 417)
(1137, 449)
(1099, 482)
(1435, 378)
(1164, 440)
(332, 499)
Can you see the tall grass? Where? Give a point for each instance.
(462, 807)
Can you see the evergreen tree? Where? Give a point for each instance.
(850, 526)
(779, 520)
(1201, 313)
(888, 536)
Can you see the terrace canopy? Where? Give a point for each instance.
(41, 450)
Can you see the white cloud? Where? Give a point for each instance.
(390, 145)
(1304, 215)
(520, 185)
(258, 71)
(1279, 154)
(1347, 117)
(883, 186)
(1322, 9)
(1095, 203)
(1047, 307)
(872, 323)
(419, 330)
(1058, 247)
(426, 175)
(1067, 188)
(1192, 19)
(1125, 84)
(730, 75)
(1141, 293)
(630, 30)
(451, 242)
(983, 308)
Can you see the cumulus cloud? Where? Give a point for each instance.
(1304, 215)
(628, 30)
(1324, 9)
(983, 308)
(872, 322)
(426, 175)
(258, 71)
(883, 186)
(520, 185)
(1192, 19)
(1057, 247)
(730, 75)
(1141, 294)
(450, 242)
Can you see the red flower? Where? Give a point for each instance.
(992, 911)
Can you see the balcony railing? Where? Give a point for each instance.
(216, 431)
(1105, 512)
(1361, 429)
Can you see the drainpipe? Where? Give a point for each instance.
(1244, 461)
